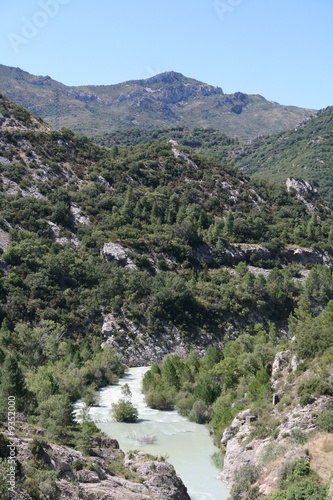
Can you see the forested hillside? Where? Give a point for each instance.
(303, 152)
(135, 246)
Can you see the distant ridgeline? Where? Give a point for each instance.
(163, 101)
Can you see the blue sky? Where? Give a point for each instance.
(281, 49)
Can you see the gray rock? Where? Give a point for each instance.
(280, 361)
(114, 252)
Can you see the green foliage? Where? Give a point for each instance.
(298, 436)
(200, 413)
(307, 490)
(124, 411)
(218, 459)
(324, 421)
(284, 155)
(313, 387)
(244, 478)
(37, 445)
(56, 414)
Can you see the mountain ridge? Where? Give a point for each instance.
(162, 101)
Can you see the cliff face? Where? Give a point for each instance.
(292, 435)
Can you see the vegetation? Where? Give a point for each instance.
(186, 223)
(124, 411)
(303, 153)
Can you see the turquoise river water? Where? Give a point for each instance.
(188, 446)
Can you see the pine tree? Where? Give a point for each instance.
(12, 384)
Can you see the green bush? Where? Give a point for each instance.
(325, 421)
(124, 411)
(159, 400)
(201, 413)
(244, 477)
(298, 436)
(37, 445)
(312, 388)
(307, 490)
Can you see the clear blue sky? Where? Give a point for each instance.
(281, 49)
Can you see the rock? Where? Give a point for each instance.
(114, 252)
(304, 191)
(280, 360)
(87, 476)
(302, 187)
(182, 156)
(150, 479)
(78, 217)
(110, 325)
(244, 252)
(294, 363)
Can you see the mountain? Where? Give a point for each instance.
(128, 254)
(166, 100)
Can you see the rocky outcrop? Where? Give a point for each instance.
(244, 449)
(78, 217)
(92, 477)
(136, 347)
(114, 252)
(244, 252)
(304, 192)
(303, 188)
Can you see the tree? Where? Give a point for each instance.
(124, 411)
(56, 414)
(12, 384)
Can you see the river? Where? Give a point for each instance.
(188, 446)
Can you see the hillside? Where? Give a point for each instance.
(163, 101)
(129, 254)
(304, 152)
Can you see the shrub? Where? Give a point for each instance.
(124, 411)
(309, 390)
(307, 490)
(297, 436)
(200, 413)
(36, 446)
(218, 459)
(244, 477)
(159, 400)
(291, 471)
(325, 421)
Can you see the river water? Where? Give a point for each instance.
(188, 446)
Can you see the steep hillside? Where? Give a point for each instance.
(163, 101)
(128, 254)
(304, 152)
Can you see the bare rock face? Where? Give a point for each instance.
(303, 188)
(114, 252)
(244, 252)
(90, 478)
(280, 361)
(304, 192)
